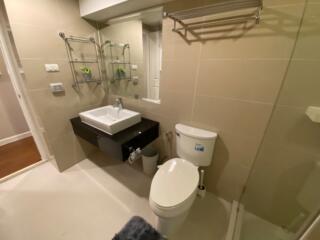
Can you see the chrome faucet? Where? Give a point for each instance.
(118, 103)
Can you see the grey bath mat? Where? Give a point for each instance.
(138, 229)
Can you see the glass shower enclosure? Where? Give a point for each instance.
(282, 195)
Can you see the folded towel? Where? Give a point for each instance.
(138, 229)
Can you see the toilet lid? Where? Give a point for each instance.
(174, 182)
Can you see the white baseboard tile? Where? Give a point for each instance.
(14, 138)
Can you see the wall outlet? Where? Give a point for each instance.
(52, 67)
(135, 80)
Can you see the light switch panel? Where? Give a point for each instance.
(134, 67)
(56, 87)
(52, 67)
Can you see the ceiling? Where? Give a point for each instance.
(103, 10)
(150, 17)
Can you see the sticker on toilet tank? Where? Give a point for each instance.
(199, 148)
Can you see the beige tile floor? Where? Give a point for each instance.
(254, 228)
(92, 200)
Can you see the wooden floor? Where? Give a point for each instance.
(18, 155)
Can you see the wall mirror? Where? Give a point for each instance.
(132, 53)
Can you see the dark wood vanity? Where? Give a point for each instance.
(121, 144)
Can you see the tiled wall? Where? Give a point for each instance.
(283, 187)
(35, 25)
(228, 85)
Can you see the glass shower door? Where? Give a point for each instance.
(282, 195)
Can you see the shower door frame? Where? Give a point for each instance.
(314, 219)
(234, 229)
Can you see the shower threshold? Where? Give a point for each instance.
(244, 225)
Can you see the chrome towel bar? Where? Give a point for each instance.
(185, 28)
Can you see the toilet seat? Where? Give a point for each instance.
(174, 187)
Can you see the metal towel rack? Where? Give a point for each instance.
(184, 29)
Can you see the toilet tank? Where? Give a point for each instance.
(195, 145)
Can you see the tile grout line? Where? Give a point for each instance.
(196, 84)
(235, 99)
(101, 186)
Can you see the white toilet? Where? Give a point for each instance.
(175, 185)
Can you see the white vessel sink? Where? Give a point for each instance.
(110, 119)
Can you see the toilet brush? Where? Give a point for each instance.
(201, 188)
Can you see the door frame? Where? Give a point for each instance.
(14, 73)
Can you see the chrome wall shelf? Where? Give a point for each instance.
(75, 60)
(188, 22)
(120, 61)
